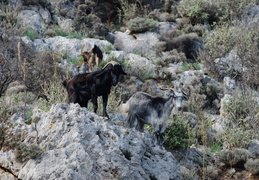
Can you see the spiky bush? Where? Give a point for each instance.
(89, 25)
(235, 157)
(189, 43)
(139, 25)
(212, 11)
(243, 39)
(252, 165)
(21, 63)
(129, 10)
(241, 115)
(172, 56)
(55, 93)
(198, 11)
(242, 111)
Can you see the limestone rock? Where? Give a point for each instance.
(78, 144)
(141, 44)
(31, 19)
(253, 147)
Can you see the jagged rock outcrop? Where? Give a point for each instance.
(142, 44)
(78, 144)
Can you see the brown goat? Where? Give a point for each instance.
(92, 58)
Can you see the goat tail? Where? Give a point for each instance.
(64, 83)
(124, 108)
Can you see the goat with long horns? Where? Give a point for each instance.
(83, 87)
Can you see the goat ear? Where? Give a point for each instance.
(123, 72)
(110, 67)
(185, 96)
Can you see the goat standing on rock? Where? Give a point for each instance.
(145, 109)
(92, 58)
(83, 87)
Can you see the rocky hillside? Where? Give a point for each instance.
(208, 50)
(79, 145)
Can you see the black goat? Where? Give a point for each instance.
(152, 110)
(83, 87)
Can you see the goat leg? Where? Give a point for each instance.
(161, 140)
(105, 100)
(130, 120)
(140, 126)
(159, 137)
(94, 101)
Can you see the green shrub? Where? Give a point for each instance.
(24, 152)
(176, 135)
(127, 154)
(130, 10)
(229, 9)
(76, 60)
(186, 43)
(235, 157)
(89, 25)
(29, 117)
(242, 110)
(168, 57)
(212, 11)
(252, 165)
(61, 32)
(31, 33)
(5, 114)
(108, 49)
(241, 114)
(196, 66)
(237, 138)
(197, 10)
(186, 66)
(55, 92)
(23, 97)
(220, 41)
(138, 25)
(216, 147)
(243, 39)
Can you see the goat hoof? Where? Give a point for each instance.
(105, 118)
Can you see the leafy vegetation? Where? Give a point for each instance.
(211, 11)
(176, 135)
(240, 39)
(56, 94)
(241, 113)
(31, 34)
(25, 152)
(138, 25)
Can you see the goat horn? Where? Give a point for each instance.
(184, 93)
(112, 63)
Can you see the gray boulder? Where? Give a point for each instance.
(63, 45)
(141, 44)
(30, 19)
(78, 144)
(253, 147)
